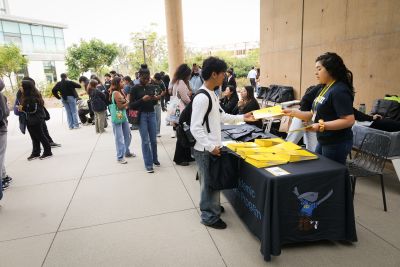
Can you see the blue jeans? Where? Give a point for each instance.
(210, 206)
(147, 130)
(157, 109)
(337, 152)
(72, 112)
(122, 135)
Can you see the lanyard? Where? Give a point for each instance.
(323, 92)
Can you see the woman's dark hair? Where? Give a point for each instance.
(212, 64)
(115, 86)
(97, 79)
(127, 78)
(233, 90)
(336, 68)
(83, 79)
(30, 94)
(250, 92)
(157, 76)
(182, 73)
(26, 78)
(107, 75)
(92, 84)
(144, 70)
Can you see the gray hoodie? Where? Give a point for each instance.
(4, 111)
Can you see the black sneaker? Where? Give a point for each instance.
(32, 157)
(45, 156)
(222, 209)
(184, 163)
(220, 224)
(157, 164)
(52, 144)
(150, 170)
(7, 179)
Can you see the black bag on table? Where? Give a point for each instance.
(224, 170)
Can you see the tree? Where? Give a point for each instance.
(93, 55)
(11, 61)
(122, 62)
(155, 48)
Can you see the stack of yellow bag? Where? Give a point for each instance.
(270, 152)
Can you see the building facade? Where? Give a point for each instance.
(41, 42)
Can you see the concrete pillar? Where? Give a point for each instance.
(173, 15)
(263, 42)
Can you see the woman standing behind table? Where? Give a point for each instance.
(122, 133)
(332, 110)
(32, 105)
(230, 100)
(248, 103)
(182, 90)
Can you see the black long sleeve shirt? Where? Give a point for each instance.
(136, 98)
(66, 88)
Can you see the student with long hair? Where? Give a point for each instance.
(122, 133)
(230, 100)
(32, 105)
(143, 98)
(98, 104)
(248, 103)
(182, 90)
(332, 110)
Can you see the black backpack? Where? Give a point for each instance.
(183, 133)
(98, 101)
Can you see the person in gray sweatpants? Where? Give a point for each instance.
(4, 112)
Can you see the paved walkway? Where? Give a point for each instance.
(81, 208)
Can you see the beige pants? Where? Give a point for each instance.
(99, 120)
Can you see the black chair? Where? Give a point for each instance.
(370, 160)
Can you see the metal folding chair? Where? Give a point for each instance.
(370, 160)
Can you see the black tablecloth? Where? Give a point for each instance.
(313, 202)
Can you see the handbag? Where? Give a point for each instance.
(117, 116)
(22, 122)
(134, 116)
(224, 170)
(173, 109)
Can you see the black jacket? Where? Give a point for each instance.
(232, 82)
(136, 101)
(229, 105)
(66, 88)
(251, 106)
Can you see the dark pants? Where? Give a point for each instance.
(82, 116)
(337, 152)
(253, 83)
(38, 137)
(46, 132)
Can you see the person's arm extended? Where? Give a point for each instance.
(75, 85)
(302, 115)
(56, 90)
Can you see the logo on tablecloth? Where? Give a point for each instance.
(308, 203)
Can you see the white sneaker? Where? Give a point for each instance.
(173, 135)
(122, 161)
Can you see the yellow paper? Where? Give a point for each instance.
(288, 146)
(235, 146)
(268, 112)
(268, 142)
(245, 151)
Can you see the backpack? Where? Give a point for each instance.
(98, 104)
(387, 109)
(183, 133)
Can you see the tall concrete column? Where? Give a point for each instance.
(173, 15)
(264, 39)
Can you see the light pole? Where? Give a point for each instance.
(144, 51)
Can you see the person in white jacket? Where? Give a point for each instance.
(210, 142)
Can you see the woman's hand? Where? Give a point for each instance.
(313, 127)
(146, 98)
(248, 117)
(19, 107)
(289, 112)
(240, 103)
(376, 117)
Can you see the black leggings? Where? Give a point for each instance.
(38, 137)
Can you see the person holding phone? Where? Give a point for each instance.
(143, 98)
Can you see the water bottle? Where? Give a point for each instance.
(186, 127)
(361, 108)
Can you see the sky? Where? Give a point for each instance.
(206, 22)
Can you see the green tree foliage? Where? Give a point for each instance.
(94, 55)
(11, 61)
(155, 49)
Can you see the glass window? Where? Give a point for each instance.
(27, 43)
(1, 38)
(11, 27)
(13, 39)
(37, 30)
(48, 31)
(50, 44)
(38, 43)
(1, 26)
(50, 71)
(58, 33)
(25, 28)
(60, 44)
